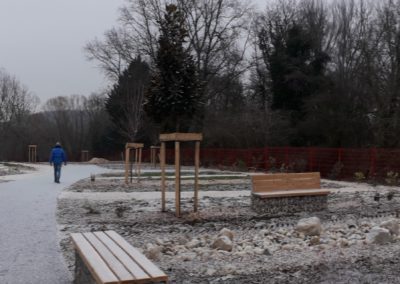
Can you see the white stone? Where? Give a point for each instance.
(315, 240)
(222, 243)
(211, 272)
(291, 247)
(343, 242)
(392, 225)
(153, 251)
(259, 251)
(309, 226)
(226, 232)
(187, 256)
(379, 236)
(193, 244)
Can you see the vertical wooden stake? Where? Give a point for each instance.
(177, 179)
(140, 161)
(196, 174)
(126, 165)
(162, 162)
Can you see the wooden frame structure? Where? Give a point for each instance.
(138, 158)
(153, 155)
(85, 156)
(32, 153)
(177, 138)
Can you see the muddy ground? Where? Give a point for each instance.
(266, 249)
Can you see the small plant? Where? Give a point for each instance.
(92, 177)
(359, 176)
(241, 165)
(299, 165)
(391, 178)
(272, 164)
(119, 211)
(284, 168)
(336, 170)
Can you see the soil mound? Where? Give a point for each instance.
(98, 161)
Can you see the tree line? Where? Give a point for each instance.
(297, 73)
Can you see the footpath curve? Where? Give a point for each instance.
(29, 249)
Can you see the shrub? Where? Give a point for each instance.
(336, 170)
(391, 178)
(359, 176)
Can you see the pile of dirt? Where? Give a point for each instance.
(98, 161)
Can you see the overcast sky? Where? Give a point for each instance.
(42, 43)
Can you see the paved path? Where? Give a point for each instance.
(29, 250)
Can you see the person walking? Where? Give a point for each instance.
(57, 157)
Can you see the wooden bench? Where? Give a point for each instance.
(295, 191)
(106, 257)
(284, 185)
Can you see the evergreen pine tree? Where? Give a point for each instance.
(173, 97)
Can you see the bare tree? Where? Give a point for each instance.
(69, 119)
(214, 26)
(16, 104)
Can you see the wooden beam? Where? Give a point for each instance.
(196, 174)
(162, 164)
(140, 161)
(127, 150)
(181, 137)
(134, 145)
(177, 180)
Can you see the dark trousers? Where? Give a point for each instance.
(57, 172)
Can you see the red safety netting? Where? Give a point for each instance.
(339, 163)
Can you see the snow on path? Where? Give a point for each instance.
(29, 250)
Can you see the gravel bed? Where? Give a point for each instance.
(266, 249)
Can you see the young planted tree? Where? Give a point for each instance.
(125, 101)
(173, 97)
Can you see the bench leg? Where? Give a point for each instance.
(82, 273)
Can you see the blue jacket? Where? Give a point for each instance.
(57, 156)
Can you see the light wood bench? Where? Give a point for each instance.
(106, 257)
(287, 185)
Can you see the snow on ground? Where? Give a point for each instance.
(29, 248)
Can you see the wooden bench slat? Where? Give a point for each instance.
(273, 187)
(113, 263)
(285, 176)
(155, 273)
(284, 193)
(99, 269)
(138, 273)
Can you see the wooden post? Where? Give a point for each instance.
(32, 153)
(84, 156)
(196, 174)
(266, 159)
(162, 162)
(153, 155)
(373, 155)
(140, 162)
(177, 138)
(138, 159)
(177, 179)
(127, 161)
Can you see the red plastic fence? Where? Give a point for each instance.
(338, 163)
